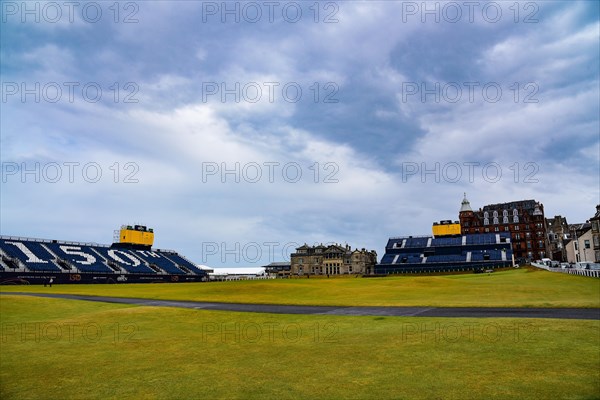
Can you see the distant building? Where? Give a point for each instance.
(278, 268)
(523, 219)
(579, 248)
(332, 260)
(595, 221)
(237, 273)
(584, 240)
(558, 233)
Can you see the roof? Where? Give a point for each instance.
(335, 249)
(279, 264)
(597, 215)
(524, 204)
(465, 205)
(584, 226)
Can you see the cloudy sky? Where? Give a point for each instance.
(240, 129)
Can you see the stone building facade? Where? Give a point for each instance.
(595, 221)
(524, 220)
(332, 260)
(558, 234)
(580, 247)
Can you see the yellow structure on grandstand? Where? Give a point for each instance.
(136, 234)
(446, 228)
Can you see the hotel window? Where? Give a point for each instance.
(541, 244)
(505, 220)
(486, 215)
(495, 213)
(516, 219)
(505, 213)
(496, 220)
(506, 228)
(528, 244)
(487, 229)
(517, 228)
(515, 212)
(486, 221)
(586, 244)
(496, 229)
(517, 236)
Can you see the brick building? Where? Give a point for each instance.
(332, 260)
(524, 220)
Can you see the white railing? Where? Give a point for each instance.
(238, 277)
(573, 271)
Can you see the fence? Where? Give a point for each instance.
(573, 271)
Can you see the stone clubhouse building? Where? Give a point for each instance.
(332, 260)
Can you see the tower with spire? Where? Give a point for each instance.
(465, 205)
(466, 214)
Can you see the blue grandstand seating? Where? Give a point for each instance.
(494, 255)
(81, 262)
(446, 258)
(394, 243)
(86, 262)
(477, 256)
(483, 238)
(177, 259)
(388, 258)
(450, 241)
(41, 259)
(445, 253)
(416, 242)
(162, 262)
(126, 260)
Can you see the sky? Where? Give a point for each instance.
(241, 130)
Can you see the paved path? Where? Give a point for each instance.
(463, 312)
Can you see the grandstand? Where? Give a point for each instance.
(26, 260)
(473, 252)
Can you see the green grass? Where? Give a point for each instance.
(512, 288)
(121, 351)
